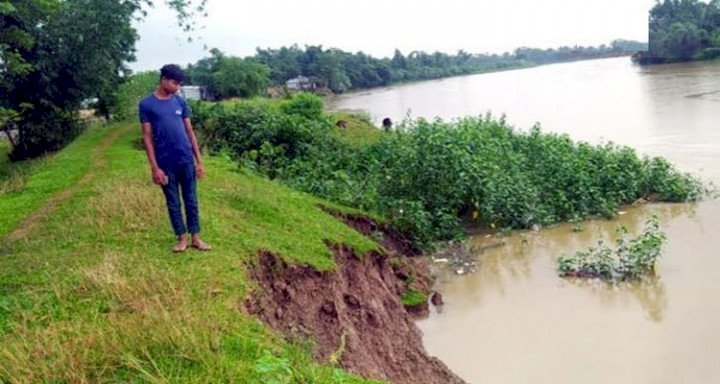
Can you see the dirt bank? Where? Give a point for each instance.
(354, 314)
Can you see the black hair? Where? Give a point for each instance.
(172, 72)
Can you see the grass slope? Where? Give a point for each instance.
(91, 293)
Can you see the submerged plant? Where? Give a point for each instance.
(630, 259)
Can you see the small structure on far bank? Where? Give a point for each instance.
(194, 92)
(300, 83)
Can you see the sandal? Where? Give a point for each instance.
(201, 246)
(179, 248)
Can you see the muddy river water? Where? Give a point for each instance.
(514, 320)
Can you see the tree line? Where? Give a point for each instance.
(341, 71)
(682, 30)
(56, 54)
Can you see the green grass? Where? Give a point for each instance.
(93, 294)
(25, 186)
(4, 150)
(413, 298)
(359, 131)
(13, 175)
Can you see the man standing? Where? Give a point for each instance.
(174, 155)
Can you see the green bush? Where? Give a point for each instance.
(425, 175)
(306, 105)
(630, 259)
(46, 130)
(131, 91)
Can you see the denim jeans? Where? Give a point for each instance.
(181, 181)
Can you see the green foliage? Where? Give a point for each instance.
(305, 105)
(201, 73)
(425, 175)
(342, 71)
(75, 50)
(131, 91)
(682, 30)
(263, 131)
(631, 258)
(38, 180)
(273, 370)
(236, 77)
(413, 298)
(358, 130)
(56, 54)
(104, 300)
(228, 77)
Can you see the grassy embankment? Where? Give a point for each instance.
(89, 291)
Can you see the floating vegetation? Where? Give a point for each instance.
(631, 258)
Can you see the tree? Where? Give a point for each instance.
(682, 30)
(56, 53)
(201, 72)
(237, 77)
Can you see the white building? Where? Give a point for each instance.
(300, 83)
(193, 92)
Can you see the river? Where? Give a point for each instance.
(514, 320)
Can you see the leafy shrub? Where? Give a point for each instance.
(630, 259)
(44, 131)
(425, 175)
(306, 105)
(131, 91)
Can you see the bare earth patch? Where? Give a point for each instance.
(353, 314)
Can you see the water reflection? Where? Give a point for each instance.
(649, 291)
(516, 289)
(512, 260)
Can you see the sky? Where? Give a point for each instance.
(378, 27)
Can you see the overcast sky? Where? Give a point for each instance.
(378, 27)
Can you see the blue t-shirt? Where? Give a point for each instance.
(170, 140)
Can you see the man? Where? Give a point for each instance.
(174, 155)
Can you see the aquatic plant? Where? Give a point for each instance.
(631, 258)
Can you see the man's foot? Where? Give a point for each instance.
(201, 246)
(180, 247)
(198, 244)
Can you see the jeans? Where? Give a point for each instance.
(181, 179)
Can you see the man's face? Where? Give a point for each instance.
(170, 86)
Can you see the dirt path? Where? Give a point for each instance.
(30, 223)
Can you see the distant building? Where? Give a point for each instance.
(194, 92)
(300, 83)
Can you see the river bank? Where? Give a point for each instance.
(104, 299)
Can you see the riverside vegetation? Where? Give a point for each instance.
(428, 177)
(682, 30)
(99, 300)
(631, 259)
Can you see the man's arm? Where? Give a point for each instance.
(199, 168)
(158, 175)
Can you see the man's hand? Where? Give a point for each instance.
(159, 177)
(199, 171)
